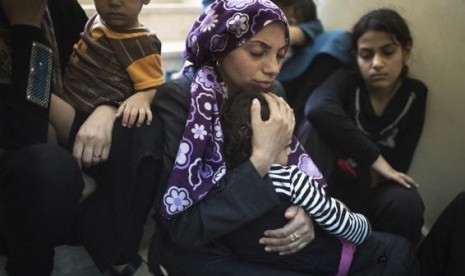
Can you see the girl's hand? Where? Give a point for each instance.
(136, 109)
(93, 140)
(294, 236)
(270, 137)
(382, 167)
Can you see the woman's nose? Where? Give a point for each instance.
(378, 62)
(272, 66)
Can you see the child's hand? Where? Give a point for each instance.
(136, 109)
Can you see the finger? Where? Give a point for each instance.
(126, 115)
(133, 117)
(77, 152)
(149, 116)
(294, 249)
(289, 244)
(272, 104)
(87, 156)
(120, 110)
(106, 152)
(141, 117)
(255, 110)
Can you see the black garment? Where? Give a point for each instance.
(192, 243)
(353, 138)
(38, 212)
(299, 89)
(321, 256)
(442, 252)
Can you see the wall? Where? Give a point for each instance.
(438, 59)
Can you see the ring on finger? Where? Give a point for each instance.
(294, 236)
(97, 155)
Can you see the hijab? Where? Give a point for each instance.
(222, 27)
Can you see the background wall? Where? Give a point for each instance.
(438, 59)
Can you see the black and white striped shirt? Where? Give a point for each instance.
(329, 213)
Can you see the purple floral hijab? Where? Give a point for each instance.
(223, 26)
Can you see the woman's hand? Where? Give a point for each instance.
(24, 12)
(382, 167)
(294, 236)
(270, 137)
(93, 140)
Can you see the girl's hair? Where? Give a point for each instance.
(384, 20)
(303, 10)
(237, 129)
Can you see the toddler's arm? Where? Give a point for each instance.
(136, 109)
(329, 213)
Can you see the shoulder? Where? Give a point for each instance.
(174, 90)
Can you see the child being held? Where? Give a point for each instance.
(333, 219)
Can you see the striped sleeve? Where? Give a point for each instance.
(329, 213)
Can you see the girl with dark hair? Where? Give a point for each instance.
(372, 121)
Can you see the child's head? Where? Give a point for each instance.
(120, 14)
(382, 41)
(237, 128)
(297, 11)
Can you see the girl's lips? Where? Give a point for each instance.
(378, 76)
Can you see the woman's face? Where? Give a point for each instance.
(257, 62)
(380, 58)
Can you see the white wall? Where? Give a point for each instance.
(438, 59)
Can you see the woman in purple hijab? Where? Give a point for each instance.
(234, 45)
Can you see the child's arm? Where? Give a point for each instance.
(137, 107)
(304, 33)
(329, 213)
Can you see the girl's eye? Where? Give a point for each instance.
(365, 54)
(389, 52)
(281, 56)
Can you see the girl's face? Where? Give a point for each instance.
(380, 58)
(120, 14)
(257, 62)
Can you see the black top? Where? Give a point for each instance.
(341, 111)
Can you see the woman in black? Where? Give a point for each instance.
(372, 120)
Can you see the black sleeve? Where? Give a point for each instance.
(26, 122)
(325, 110)
(400, 157)
(242, 196)
(69, 20)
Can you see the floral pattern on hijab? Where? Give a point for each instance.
(199, 166)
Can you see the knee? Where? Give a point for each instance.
(44, 167)
(401, 202)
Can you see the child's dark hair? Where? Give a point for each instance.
(304, 10)
(237, 129)
(384, 20)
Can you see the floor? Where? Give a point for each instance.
(74, 260)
